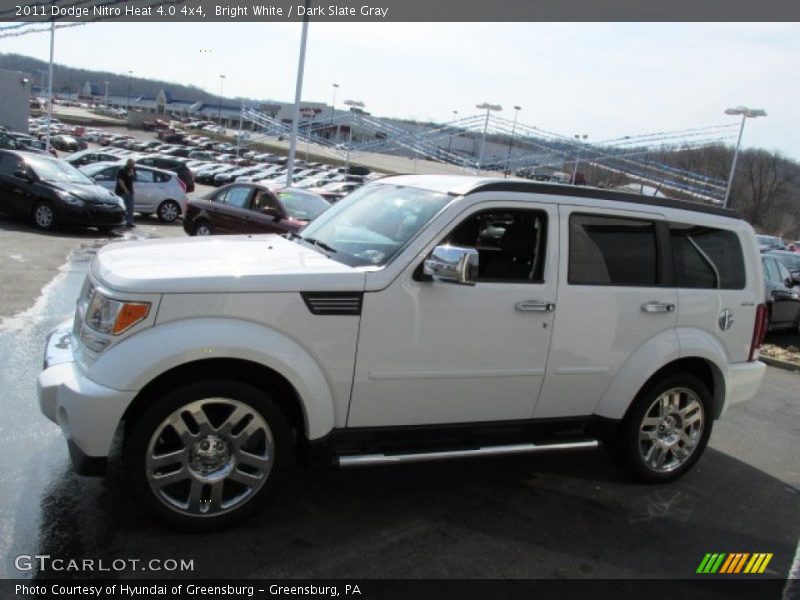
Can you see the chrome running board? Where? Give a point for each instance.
(364, 460)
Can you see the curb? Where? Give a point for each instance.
(781, 364)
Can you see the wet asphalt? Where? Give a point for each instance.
(561, 515)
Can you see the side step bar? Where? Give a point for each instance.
(364, 460)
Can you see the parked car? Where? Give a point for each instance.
(221, 179)
(67, 143)
(790, 259)
(770, 242)
(251, 208)
(335, 191)
(51, 193)
(87, 157)
(175, 165)
(154, 190)
(206, 176)
(782, 293)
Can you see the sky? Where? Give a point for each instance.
(605, 80)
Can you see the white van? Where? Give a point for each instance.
(420, 318)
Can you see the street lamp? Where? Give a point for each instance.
(745, 112)
(511, 143)
(488, 107)
(352, 104)
(333, 104)
(105, 101)
(129, 90)
(578, 155)
(450, 143)
(219, 110)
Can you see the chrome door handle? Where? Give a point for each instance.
(535, 306)
(658, 307)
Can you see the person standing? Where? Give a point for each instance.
(124, 189)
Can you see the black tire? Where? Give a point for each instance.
(202, 227)
(168, 211)
(44, 215)
(640, 456)
(204, 464)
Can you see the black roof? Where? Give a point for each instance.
(536, 187)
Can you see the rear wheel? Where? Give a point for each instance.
(168, 211)
(208, 454)
(44, 216)
(666, 430)
(202, 228)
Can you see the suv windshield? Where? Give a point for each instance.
(371, 225)
(56, 171)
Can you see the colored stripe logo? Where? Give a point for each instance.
(734, 563)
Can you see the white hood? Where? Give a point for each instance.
(242, 263)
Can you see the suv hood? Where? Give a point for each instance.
(242, 263)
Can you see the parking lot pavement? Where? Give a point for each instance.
(561, 515)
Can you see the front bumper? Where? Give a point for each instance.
(93, 215)
(88, 413)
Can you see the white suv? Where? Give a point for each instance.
(421, 318)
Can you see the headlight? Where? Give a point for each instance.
(70, 199)
(108, 316)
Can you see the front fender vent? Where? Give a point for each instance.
(333, 303)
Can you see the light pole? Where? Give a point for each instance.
(50, 85)
(241, 122)
(745, 112)
(333, 104)
(511, 142)
(105, 101)
(129, 90)
(488, 107)
(219, 109)
(298, 94)
(352, 104)
(578, 155)
(450, 143)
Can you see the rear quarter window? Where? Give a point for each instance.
(707, 258)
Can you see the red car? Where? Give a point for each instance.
(252, 208)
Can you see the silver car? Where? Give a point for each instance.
(154, 190)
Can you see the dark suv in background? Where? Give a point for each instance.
(170, 164)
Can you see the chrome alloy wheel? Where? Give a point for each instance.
(168, 211)
(671, 430)
(209, 457)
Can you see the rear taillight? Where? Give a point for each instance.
(759, 331)
(183, 185)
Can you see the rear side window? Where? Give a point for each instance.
(612, 251)
(161, 177)
(706, 258)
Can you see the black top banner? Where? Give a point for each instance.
(399, 10)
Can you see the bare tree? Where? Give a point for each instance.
(762, 180)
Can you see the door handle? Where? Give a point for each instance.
(658, 307)
(534, 306)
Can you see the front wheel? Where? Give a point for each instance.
(202, 228)
(666, 430)
(168, 211)
(44, 216)
(208, 454)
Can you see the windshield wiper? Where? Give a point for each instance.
(318, 244)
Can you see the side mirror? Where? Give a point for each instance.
(271, 212)
(453, 264)
(794, 279)
(20, 174)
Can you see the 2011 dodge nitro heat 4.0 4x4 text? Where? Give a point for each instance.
(420, 318)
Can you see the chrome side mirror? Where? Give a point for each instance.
(453, 264)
